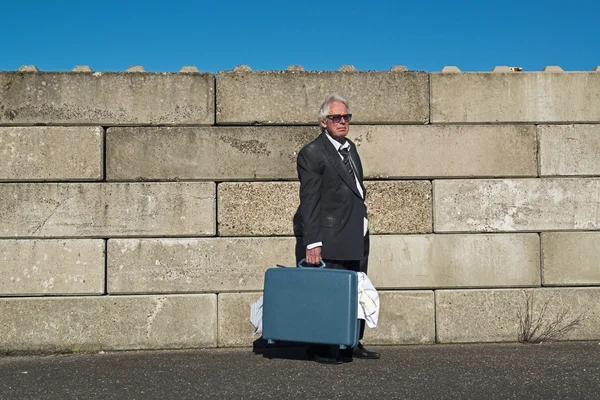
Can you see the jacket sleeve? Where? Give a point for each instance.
(310, 176)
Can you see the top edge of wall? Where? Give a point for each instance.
(298, 68)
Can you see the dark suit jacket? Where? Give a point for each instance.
(331, 207)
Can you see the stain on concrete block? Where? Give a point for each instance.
(525, 205)
(207, 153)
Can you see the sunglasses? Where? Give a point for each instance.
(337, 118)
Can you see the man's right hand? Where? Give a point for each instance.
(313, 256)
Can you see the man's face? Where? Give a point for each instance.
(338, 130)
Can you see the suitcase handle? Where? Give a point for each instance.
(321, 265)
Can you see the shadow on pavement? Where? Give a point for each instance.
(284, 350)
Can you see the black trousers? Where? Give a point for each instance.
(353, 265)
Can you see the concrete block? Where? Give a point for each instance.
(347, 68)
(194, 265)
(408, 151)
(406, 317)
(135, 68)
(569, 149)
(51, 153)
(219, 153)
(257, 208)
(189, 69)
(107, 209)
(450, 69)
(466, 316)
(108, 323)
(43, 267)
(268, 208)
(532, 205)
(106, 98)
(502, 68)
(235, 329)
(399, 206)
(295, 68)
(524, 97)
(438, 261)
(398, 68)
(553, 68)
(82, 68)
(28, 68)
(291, 97)
(570, 258)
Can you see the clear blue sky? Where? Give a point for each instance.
(319, 35)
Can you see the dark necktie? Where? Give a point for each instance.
(345, 152)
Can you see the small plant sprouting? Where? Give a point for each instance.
(538, 327)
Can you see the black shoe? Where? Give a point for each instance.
(324, 356)
(360, 352)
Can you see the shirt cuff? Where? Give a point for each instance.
(313, 245)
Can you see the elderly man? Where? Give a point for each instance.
(332, 209)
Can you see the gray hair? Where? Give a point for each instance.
(324, 109)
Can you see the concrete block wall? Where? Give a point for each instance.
(140, 210)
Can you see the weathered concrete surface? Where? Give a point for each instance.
(194, 265)
(569, 149)
(464, 316)
(516, 205)
(219, 153)
(438, 261)
(511, 97)
(106, 209)
(405, 317)
(399, 206)
(51, 153)
(291, 97)
(108, 322)
(268, 208)
(257, 208)
(570, 258)
(235, 329)
(42, 267)
(106, 98)
(243, 153)
(408, 151)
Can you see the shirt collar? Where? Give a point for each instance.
(337, 144)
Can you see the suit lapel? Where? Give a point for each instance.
(336, 161)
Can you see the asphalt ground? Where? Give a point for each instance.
(568, 370)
